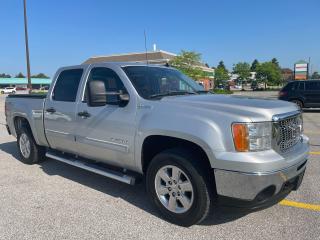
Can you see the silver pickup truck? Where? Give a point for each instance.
(194, 149)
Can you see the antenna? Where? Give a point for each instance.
(145, 46)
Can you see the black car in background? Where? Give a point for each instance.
(305, 93)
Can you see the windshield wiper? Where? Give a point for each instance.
(171, 93)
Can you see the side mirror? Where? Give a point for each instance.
(97, 93)
(99, 97)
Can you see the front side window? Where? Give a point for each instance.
(313, 86)
(154, 82)
(67, 84)
(111, 80)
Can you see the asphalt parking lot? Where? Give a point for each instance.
(56, 201)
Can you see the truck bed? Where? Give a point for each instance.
(29, 106)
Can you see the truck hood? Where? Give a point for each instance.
(256, 109)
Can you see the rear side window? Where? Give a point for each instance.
(67, 84)
(313, 86)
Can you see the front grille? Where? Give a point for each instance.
(288, 132)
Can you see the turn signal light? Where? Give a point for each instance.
(240, 137)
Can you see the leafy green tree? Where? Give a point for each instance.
(221, 74)
(268, 73)
(315, 75)
(20, 75)
(222, 66)
(254, 65)
(40, 75)
(188, 63)
(275, 62)
(243, 70)
(4, 75)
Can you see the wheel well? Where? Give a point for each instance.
(19, 123)
(153, 145)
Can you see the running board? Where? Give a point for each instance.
(119, 176)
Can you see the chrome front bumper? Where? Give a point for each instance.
(247, 186)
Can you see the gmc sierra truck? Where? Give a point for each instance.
(195, 150)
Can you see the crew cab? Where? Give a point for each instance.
(195, 150)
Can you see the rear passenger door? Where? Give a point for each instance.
(60, 108)
(312, 93)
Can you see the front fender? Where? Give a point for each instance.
(206, 134)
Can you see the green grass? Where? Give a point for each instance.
(220, 91)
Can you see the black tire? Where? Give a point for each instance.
(198, 174)
(37, 153)
(298, 102)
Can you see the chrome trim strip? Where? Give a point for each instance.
(282, 116)
(126, 147)
(54, 131)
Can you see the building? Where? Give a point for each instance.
(159, 57)
(23, 82)
(287, 74)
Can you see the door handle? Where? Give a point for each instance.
(84, 114)
(50, 110)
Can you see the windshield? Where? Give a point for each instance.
(156, 82)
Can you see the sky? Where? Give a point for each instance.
(67, 32)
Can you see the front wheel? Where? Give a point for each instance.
(179, 187)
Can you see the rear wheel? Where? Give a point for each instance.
(299, 103)
(179, 186)
(29, 151)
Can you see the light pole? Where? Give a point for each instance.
(27, 45)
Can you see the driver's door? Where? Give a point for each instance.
(106, 133)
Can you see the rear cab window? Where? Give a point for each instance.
(67, 85)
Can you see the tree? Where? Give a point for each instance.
(222, 66)
(268, 73)
(315, 75)
(4, 75)
(188, 63)
(254, 65)
(242, 69)
(20, 75)
(275, 62)
(221, 73)
(40, 75)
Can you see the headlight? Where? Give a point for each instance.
(252, 136)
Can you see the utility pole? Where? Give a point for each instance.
(27, 45)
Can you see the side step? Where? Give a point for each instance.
(116, 175)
